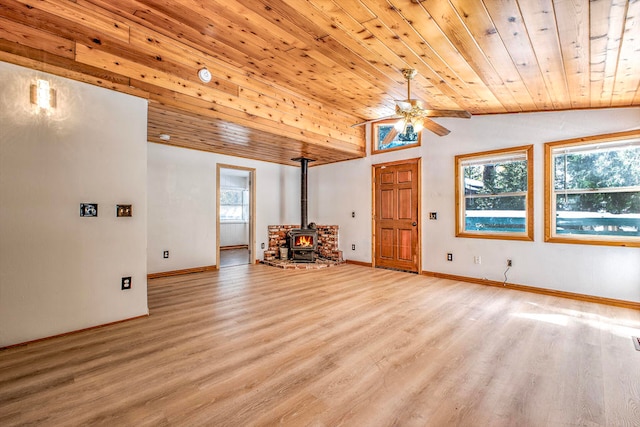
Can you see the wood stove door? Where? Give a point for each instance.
(397, 201)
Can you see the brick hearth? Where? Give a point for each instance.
(328, 252)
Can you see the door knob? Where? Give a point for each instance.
(414, 223)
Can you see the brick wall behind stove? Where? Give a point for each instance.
(327, 241)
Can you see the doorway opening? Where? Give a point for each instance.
(235, 222)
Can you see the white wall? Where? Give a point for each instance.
(182, 204)
(234, 233)
(334, 192)
(60, 272)
(612, 272)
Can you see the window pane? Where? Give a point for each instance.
(231, 197)
(231, 213)
(608, 214)
(234, 204)
(602, 168)
(494, 194)
(496, 214)
(612, 203)
(404, 139)
(593, 190)
(496, 178)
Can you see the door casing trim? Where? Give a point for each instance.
(418, 161)
(252, 210)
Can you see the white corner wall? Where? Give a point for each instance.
(60, 272)
(335, 193)
(182, 204)
(611, 272)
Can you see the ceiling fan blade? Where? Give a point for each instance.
(390, 136)
(435, 127)
(447, 113)
(395, 116)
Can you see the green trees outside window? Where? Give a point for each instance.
(494, 194)
(593, 190)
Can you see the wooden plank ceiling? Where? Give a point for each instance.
(290, 77)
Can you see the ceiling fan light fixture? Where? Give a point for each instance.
(413, 115)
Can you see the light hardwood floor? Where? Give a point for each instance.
(232, 257)
(347, 345)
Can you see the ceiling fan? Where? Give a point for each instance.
(414, 117)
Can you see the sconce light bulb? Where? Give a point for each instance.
(43, 95)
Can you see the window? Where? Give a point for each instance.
(494, 194)
(234, 205)
(406, 139)
(592, 190)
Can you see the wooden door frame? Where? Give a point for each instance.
(252, 210)
(418, 161)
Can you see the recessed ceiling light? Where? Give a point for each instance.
(164, 137)
(205, 75)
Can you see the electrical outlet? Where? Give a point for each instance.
(477, 259)
(449, 257)
(262, 245)
(353, 247)
(165, 254)
(433, 215)
(509, 263)
(126, 283)
(353, 214)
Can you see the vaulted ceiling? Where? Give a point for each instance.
(290, 77)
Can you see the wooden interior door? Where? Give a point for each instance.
(397, 201)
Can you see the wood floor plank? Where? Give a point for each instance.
(346, 345)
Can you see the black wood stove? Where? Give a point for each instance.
(303, 241)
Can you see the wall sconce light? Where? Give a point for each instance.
(43, 95)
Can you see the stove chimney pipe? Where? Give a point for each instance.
(303, 190)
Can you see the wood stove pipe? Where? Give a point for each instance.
(303, 190)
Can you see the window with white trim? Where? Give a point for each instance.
(592, 190)
(494, 194)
